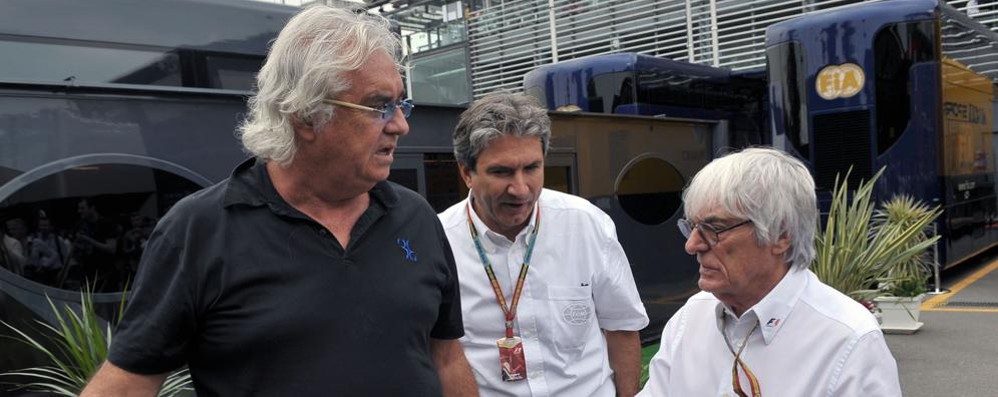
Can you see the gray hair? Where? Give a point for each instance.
(306, 64)
(767, 186)
(496, 115)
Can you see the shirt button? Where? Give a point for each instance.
(739, 344)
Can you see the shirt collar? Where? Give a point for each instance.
(493, 239)
(250, 185)
(773, 310)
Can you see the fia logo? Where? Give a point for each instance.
(410, 255)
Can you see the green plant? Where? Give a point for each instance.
(76, 346)
(857, 250)
(908, 277)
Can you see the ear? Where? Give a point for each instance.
(465, 174)
(303, 131)
(781, 246)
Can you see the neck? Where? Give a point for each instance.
(300, 188)
(741, 303)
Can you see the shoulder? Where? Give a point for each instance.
(204, 206)
(454, 216)
(555, 204)
(836, 308)
(406, 199)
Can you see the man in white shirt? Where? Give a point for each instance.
(764, 325)
(573, 330)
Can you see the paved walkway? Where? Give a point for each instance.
(956, 352)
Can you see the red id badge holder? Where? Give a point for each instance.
(511, 361)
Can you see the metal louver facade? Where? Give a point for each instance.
(508, 38)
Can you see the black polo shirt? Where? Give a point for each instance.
(259, 299)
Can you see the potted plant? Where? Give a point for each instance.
(904, 287)
(76, 345)
(860, 248)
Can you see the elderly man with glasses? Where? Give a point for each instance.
(305, 273)
(764, 325)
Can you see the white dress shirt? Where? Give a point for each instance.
(579, 282)
(811, 341)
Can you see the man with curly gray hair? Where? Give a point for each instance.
(556, 311)
(762, 315)
(305, 273)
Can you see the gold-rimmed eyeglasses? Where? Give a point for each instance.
(387, 111)
(708, 233)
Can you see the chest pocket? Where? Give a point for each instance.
(571, 309)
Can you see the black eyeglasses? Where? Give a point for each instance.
(387, 110)
(707, 232)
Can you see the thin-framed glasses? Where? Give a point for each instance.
(387, 111)
(708, 233)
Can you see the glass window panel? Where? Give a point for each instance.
(89, 224)
(28, 61)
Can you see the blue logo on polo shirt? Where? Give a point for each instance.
(410, 255)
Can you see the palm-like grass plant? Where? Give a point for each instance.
(908, 277)
(860, 247)
(76, 346)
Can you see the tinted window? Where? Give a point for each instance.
(48, 62)
(444, 186)
(232, 73)
(649, 190)
(896, 48)
(604, 92)
(87, 224)
(786, 86)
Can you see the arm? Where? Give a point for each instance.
(624, 348)
(869, 369)
(453, 368)
(110, 380)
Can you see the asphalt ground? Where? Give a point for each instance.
(956, 352)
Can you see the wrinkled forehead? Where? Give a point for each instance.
(712, 208)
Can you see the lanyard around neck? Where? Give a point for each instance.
(510, 311)
(736, 383)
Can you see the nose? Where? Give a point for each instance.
(695, 243)
(397, 125)
(518, 186)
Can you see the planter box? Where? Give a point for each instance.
(899, 315)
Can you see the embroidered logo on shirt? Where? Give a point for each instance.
(773, 322)
(577, 313)
(410, 255)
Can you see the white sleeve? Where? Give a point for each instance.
(660, 367)
(870, 370)
(618, 305)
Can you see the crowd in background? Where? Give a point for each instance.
(91, 249)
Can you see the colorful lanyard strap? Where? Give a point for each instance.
(736, 383)
(510, 311)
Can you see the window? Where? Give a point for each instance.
(786, 86)
(649, 190)
(88, 224)
(49, 62)
(896, 49)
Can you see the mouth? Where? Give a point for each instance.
(708, 270)
(386, 151)
(514, 206)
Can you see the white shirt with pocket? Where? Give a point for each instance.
(579, 282)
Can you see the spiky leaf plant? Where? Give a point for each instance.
(76, 346)
(908, 278)
(855, 252)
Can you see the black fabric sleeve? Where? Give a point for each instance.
(159, 321)
(450, 324)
